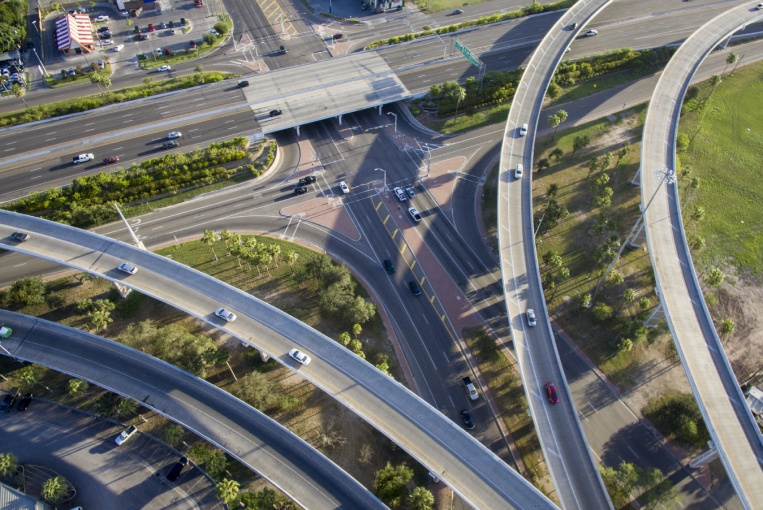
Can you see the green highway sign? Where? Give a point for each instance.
(467, 53)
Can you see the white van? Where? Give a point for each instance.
(518, 172)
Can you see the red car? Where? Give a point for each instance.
(551, 392)
(199, 3)
(151, 27)
(110, 160)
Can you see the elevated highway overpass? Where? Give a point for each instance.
(735, 434)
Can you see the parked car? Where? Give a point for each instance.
(20, 236)
(118, 48)
(101, 18)
(126, 434)
(7, 404)
(110, 160)
(299, 356)
(107, 42)
(162, 69)
(25, 401)
(193, 45)
(400, 194)
(162, 25)
(5, 332)
(103, 29)
(177, 469)
(226, 315)
(551, 392)
(151, 27)
(199, 3)
(141, 37)
(213, 32)
(167, 51)
(105, 35)
(128, 268)
(467, 418)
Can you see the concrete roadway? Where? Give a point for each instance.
(459, 460)
(568, 456)
(727, 416)
(258, 442)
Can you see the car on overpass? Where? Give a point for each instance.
(5, 332)
(225, 315)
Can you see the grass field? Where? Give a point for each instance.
(726, 152)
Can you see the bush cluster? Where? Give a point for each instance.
(572, 71)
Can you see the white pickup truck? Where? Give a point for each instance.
(83, 158)
(470, 389)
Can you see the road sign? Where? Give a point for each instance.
(467, 53)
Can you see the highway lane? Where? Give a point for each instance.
(568, 456)
(260, 443)
(727, 416)
(464, 464)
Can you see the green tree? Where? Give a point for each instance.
(54, 489)
(715, 277)
(696, 242)
(557, 153)
(345, 338)
(8, 464)
(543, 164)
(256, 389)
(126, 407)
(391, 482)
(553, 121)
(99, 320)
(579, 143)
(585, 299)
(644, 303)
(421, 499)
(682, 141)
(602, 311)
(629, 295)
(173, 434)
(19, 92)
(727, 326)
(356, 346)
(27, 291)
(554, 91)
(31, 375)
(552, 191)
(77, 387)
(96, 79)
(227, 490)
(360, 311)
(357, 329)
(733, 57)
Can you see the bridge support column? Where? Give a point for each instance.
(657, 315)
(380, 109)
(340, 120)
(710, 455)
(123, 291)
(297, 128)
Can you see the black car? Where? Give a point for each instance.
(8, 402)
(275, 113)
(20, 236)
(25, 401)
(413, 284)
(169, 144)
(306, 180)
(300, 190)
(389, 266)
(105, 35)
(162, 25)
(243, 84)
(468, 422)
(103, 29)
(174, 472)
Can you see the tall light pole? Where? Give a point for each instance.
(40, 61)
(668, 176)
(395, 115)
(34, 22)
(385, 176)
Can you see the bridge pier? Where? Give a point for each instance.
(710, 455)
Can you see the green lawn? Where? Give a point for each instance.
(726, 132)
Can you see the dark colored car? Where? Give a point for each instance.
(110, 160)
(162, 25)
(8, 401)
(241, 84)
(167, 51)
(468, 422)
(25, 401)
(338, 36)
(105, 35)
(414, 286)
(193, 44)
(169, 144)
(300, 190)
(553, 397)
(174, 472)
(103, 29)
(141, 37)
(20, 236)
(409, 191)
(574, 26)
(389, 266)
(306, 180)
(282, 50)
(275, 113)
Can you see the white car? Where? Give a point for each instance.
(83, 158)
(127, 268)
(518, 171)
(591, 33)
(213, 31)
(400, 194)
(759, 7)
(174, 134)
(226, 315)
(343, 186)
(164, 68)
(119, 47)
(523, 130)
(101, 18)
(299, 356)
(414, 214)
(126, 434)
(106, 42)
(531, 320)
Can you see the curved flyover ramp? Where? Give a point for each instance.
(475, 473)
(727, 416)
(569, 458)
(264, 446)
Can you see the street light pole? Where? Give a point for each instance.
(395, 115)
(664, 175)
(385, 176)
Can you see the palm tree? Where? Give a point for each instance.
(19, 92)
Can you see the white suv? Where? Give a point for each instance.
(400, 194)
(83, 158)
